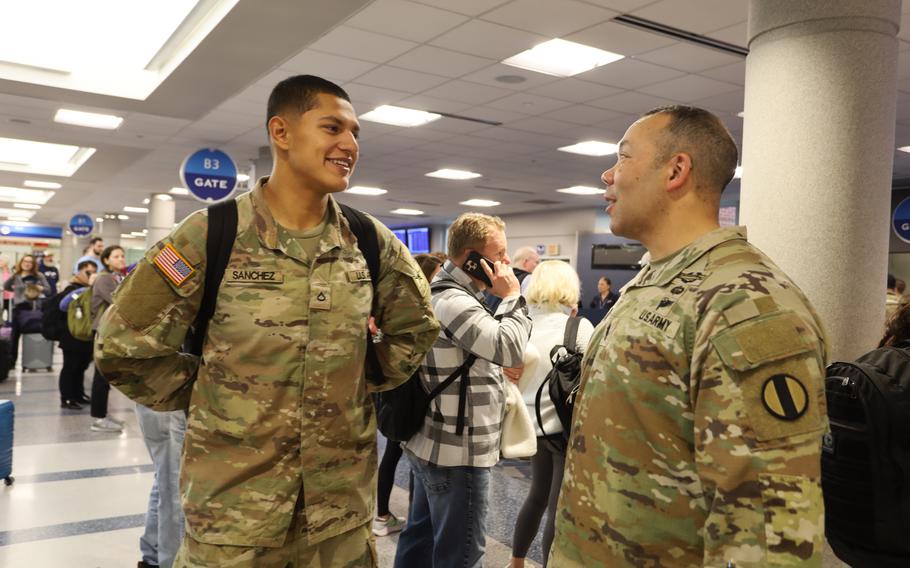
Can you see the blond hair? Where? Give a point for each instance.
(554, 284)
(471, 230)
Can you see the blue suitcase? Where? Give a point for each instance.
(6, 441)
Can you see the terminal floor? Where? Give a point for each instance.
(80, 496)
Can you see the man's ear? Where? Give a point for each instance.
(680, 170)
(278, 132)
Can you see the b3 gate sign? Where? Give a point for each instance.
(81, 225)
(210, 175)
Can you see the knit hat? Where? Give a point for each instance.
(84, 259)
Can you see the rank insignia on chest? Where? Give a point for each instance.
(174, 267)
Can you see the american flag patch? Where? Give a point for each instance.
(174, 266)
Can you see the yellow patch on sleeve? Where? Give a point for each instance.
(172, 264)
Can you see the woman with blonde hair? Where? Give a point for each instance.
(552, 299)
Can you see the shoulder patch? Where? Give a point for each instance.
(785, 397)
(174, 267)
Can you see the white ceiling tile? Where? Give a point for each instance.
(467, 7)
(370, 96)
(574, 90)
(737, 34)
(620, 38)
(582, 114)
(463, 91)
(494, 114)
(439, 61)
(474, 141)
(406, 20)
(903, 85)
(725, 103)
(488, 40)
(905, 27)
(361, 44)
(632, 102)
(689, 57)
(690, 88)
(433, 104)
(630, 74)
(623, 6)
(455, 125)
(488, 77)
(616, 127)
(326, 65)
(698, 16)
(538, 124)
(528, 103)
(552, 18)
(735, 73)
(390, 77)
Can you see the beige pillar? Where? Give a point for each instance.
(160, 218)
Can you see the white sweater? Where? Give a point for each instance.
(548, 330)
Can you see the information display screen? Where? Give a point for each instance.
(617, 256)
(419, 240)
(402, 235)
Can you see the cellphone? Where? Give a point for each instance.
(472, 266)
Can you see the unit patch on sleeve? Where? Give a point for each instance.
(174, 267)
(785, 397)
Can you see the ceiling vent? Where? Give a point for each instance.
(681, 35)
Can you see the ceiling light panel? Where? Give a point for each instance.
(403, 211)
(562, 58)
(32, 206)
(591, 148)
(364, 190)
(453, 174)
(89, 119)
(179, 191)
(29, 156)
(582, 190)
(400, 116)
(130, 209)
(19, 195)
(480, 203)
(42, 184)
(73, 50)
(12, 212)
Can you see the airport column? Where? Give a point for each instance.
(160, 218)
(70, 250)
(818, 147)
(111, 229)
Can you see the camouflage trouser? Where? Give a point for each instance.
(353, 549)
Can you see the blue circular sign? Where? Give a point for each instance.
(81, 225)
(210, 175)
(900, 221)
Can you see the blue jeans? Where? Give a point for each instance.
(447, 517)
(163, 434)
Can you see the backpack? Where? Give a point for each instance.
(563, 379)
(866, 459)
(79, 316)
(53, 322)
(400, 411)
(222, 231)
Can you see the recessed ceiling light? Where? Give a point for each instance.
(123, 217)
(591, 148)
(19, 195)
(562, 58)
(99, 220)
(163, 197)
(146, 201)
(130, 209)
(741, 114)
(89, 119)
(12, 212)
(400, 116)
(42, 184)
(738, 172)
(408, 212)
(582, 190)
(29, 156)
(453, 174)
(18, 219)
(480, 203)
(364, 190)
(26, 206)
(904, 149)
(179, 191)
(243, 177)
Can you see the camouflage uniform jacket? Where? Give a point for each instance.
(696, 438)
(279, 409)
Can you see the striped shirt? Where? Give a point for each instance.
(467, 327)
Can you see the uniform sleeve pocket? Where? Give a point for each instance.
(793, 519)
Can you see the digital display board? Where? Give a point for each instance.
(419, 240)
(402, 235)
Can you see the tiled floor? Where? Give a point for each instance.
(80, 496)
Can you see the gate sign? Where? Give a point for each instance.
(900, 221)
(81, 225)
(210, 175)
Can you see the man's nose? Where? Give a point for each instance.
(607, 177)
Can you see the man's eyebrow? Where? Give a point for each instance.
(355, 126)
(623, 145)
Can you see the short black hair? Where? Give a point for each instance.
(298, 94)
(95, 240)
(704, 137)
(892, 281)
(607, 280)
(82, 265)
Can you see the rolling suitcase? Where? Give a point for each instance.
(37, 353)
(6, 441)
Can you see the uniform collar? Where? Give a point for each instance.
(455, 274)
(663, 271)
(336, 235)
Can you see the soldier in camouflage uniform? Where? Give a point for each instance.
(279, 461)
(696, 436)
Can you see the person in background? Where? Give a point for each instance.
(26, 277)
(892, 297)
(552, 299)
(94, 249)
(50, 272)
(114, 261)
(605, 297)
(524, 261)
(385, 523)
(77, 354)
(900, 286)
(5, 273)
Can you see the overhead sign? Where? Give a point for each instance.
(900, 220)
(81, 225)
(209, 174)
(29, 231)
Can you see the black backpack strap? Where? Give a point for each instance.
(537, 398)
(365, 231)
(219, 242)
(460, 372)
(570, 339)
